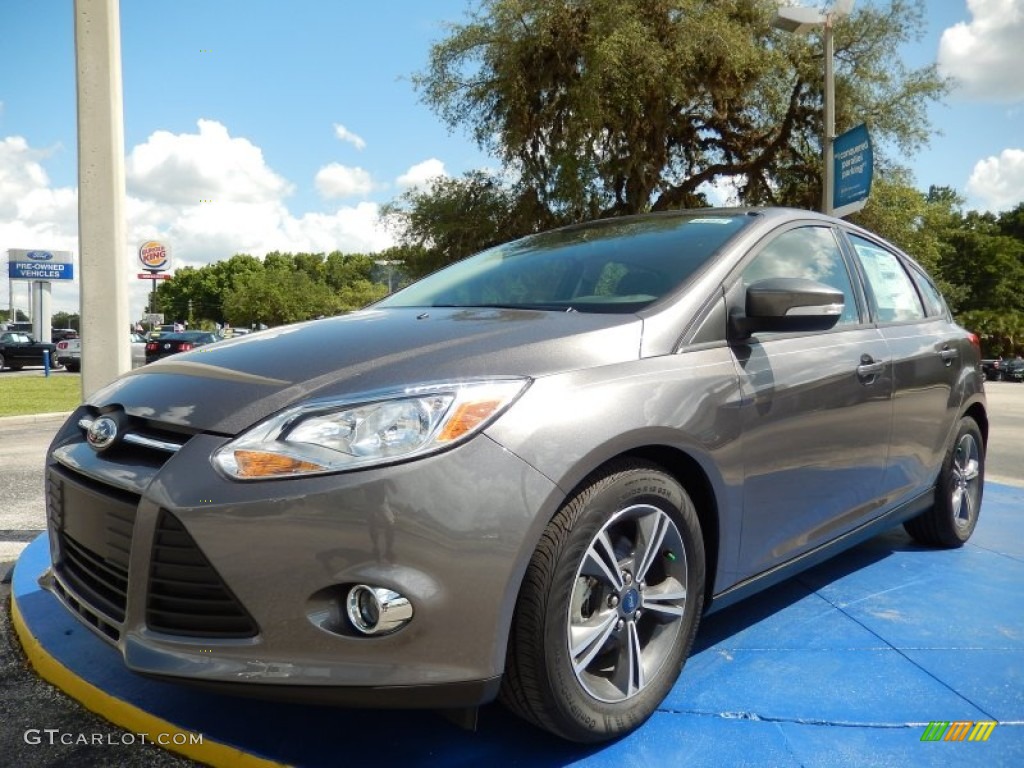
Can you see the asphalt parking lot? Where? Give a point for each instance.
(28, 703)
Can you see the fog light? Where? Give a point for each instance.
(376, 610)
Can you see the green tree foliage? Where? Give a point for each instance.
(453, 218)
(65, 320)
(611, 107)
(280, 294)
(204, 287)
(280, 288)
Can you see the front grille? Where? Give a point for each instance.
(186, 594)
(92, 524)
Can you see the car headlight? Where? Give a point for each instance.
(335, 436)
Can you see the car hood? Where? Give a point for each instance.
(228, 386)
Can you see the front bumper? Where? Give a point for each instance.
(454, 532)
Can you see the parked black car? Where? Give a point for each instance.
(993, 369)
(19, 349)
(1012, 370)
(173, 343)
(1003, 369)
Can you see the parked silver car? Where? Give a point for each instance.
(527, 475)
(69, 352)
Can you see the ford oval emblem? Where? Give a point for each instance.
(102, 433)
(630, 601)
(39, 255)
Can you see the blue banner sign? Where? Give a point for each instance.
(853, 168)
(40, 265)
(40, 270)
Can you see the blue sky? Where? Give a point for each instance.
(296, 120)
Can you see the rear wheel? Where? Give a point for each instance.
(608, 608)
(958, 491)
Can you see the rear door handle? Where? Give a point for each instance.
(948, 355)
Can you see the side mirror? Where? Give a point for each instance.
(790, 304)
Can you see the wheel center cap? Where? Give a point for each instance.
(630, 601)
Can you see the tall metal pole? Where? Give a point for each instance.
(102, 231)
(830, 120)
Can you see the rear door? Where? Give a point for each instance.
(928, 350)
(816, 412)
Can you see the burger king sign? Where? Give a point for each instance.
(154, 256)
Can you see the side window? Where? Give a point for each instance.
(934, 304)
(896, 299)
(808, 252)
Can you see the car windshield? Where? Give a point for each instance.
(613, 265)
(17, 338)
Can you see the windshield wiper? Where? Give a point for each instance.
(540, 307)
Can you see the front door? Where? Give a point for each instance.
(816, 413)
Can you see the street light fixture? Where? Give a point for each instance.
(800, 20)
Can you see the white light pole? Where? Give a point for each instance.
(800, 20)
(102, 231)
(390, 264)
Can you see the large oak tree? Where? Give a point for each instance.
(605, 107)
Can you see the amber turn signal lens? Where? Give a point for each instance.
(466, 417)
(260, 464)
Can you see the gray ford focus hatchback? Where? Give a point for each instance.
(526, 476)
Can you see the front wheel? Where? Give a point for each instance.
(951, 521)
(608, 608)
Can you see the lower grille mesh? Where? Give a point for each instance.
(186, 595)
(100, 582)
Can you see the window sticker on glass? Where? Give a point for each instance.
(894, 293)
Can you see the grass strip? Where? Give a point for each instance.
(25, 395)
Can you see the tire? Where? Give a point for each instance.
(71, 367)
(608, 608)
(958, 491)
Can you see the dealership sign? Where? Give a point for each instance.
(853, 171)
(155, 256)
(40, 265)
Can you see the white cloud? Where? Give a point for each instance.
(999, 181)
(722, 190)
(210, 165)
(421, 173)
(335, 181)
(169, 176)
(986, 55)
(345, 134)
(35, 215)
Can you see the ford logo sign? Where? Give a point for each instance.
(39, 255)
(102, 433)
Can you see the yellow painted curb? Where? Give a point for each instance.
(123, 714)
